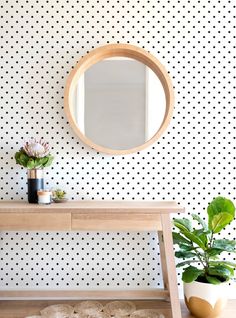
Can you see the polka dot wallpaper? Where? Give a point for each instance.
(193, 161)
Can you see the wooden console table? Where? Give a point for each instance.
(103, 215)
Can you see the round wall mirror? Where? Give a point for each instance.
(119, 99)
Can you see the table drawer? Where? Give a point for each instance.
(107, 222)
(35, 221)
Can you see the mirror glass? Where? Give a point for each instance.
(118, 103)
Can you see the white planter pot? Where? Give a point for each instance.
(205, 300)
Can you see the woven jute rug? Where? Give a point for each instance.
(94, 309)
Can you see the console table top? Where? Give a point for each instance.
(150, 207)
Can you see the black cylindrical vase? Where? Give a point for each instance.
(35, 183)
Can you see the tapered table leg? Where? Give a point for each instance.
(169, 269)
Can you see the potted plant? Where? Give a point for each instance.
(35, 156)
(206, 273)
(59, 196)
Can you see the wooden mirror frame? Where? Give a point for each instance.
(119, 50)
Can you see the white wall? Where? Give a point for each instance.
(40, 41)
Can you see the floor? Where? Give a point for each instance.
(21, 309)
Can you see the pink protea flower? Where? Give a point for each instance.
(36, 149)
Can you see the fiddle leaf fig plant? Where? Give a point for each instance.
(200, 249)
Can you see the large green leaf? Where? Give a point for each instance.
(217, 206)
(213, 280)
(191, 273)
(229, 268)
(201, 231)
(183, 224)
(202, 235)
(185, 254)
(214, 251)
(41, 162)
(219, 221)
(21, 158)
(225, 244)
(220, 270)
(17, 154)
(31, 163)
(186, 247)
(213, 263)
(178, 239)
(194, 238)
(49, 161)
(181, 264)
(197, 218)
